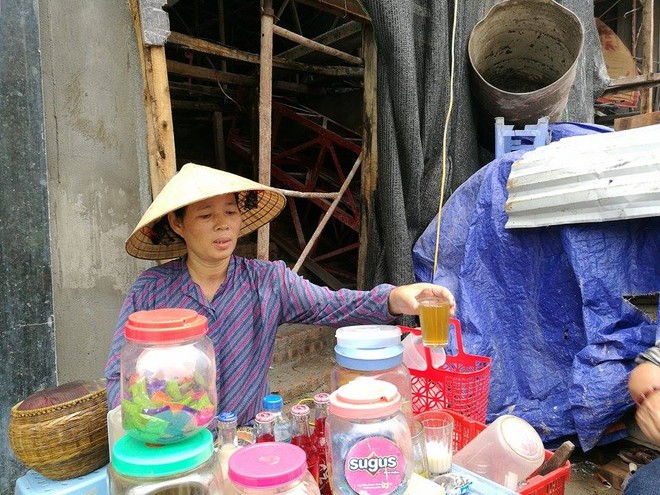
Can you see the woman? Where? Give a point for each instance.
(197, 218)
(644, 387)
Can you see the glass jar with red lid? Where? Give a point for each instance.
(168, 390)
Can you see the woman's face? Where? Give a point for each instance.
(210, 227)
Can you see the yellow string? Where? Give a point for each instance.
(444, 140)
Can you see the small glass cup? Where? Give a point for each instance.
(438, 435)
(434, 321)
(419, 449)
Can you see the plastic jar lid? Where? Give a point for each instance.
(266, 465)
(369, 359)
(273, 402)
(227, 417)
(165, 325)
(131, 457)
(365, 398)
(521, 438)
(368, 336)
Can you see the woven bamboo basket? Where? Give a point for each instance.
(63, 440)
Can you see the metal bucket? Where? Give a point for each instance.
(524, 55)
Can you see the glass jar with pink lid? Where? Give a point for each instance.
(369, 444)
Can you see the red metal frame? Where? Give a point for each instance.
(311, 153)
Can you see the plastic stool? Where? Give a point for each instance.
(94, 483)
(529, 138)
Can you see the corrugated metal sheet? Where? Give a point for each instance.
(592, 178)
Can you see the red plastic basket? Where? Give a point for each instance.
(552, 483)
(461, 384)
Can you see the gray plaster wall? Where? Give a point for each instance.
(98, 174)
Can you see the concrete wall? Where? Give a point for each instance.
(98, 174)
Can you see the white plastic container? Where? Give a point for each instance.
(373, 351)
(506, 452)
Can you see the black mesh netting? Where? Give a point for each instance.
(413, 41)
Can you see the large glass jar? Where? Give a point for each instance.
(271, 468)
(168, 371)
(369, 444)
(189, 467)
(373, 351)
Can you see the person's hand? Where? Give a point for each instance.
(403, 299)
(643, 380)
(648, 417)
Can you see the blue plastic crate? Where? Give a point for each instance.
(94, 483)
(532, 136)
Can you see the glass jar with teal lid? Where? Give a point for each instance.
(374, 351)
(189, 467)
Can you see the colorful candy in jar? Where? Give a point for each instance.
(168, 391)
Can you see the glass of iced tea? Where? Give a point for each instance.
(434, 321)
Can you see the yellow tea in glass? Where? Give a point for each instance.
(434, 321)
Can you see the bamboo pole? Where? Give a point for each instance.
(312, 240)
(369, 149)
(315, 45)
(646, 35)
(328, 38)
(265, 113)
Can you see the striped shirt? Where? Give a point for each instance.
(652, 355)
(254, 299)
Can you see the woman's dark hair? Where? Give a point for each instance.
(162, 233)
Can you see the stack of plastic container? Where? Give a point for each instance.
(168, 397)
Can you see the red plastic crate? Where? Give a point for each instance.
(553, 483)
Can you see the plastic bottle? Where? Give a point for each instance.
(227, 438)
(321, 402)
(264, 427)
(274, 404)
(301, 437)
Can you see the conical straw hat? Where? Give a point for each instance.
(154, 240)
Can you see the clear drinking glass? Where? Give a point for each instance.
(438, 434)
(419, 449)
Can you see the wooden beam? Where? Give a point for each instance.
(204, 106)
(183, 69)
(369, 149)
(634, 82)
(319, 47)
(220, 77)
(329, 38)
(160, 130)
(265, 113)
(648, 65)
(219, 140)
(636, 121)
(351, 8)
(210, 48)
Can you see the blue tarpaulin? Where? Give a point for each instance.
(546, 304)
